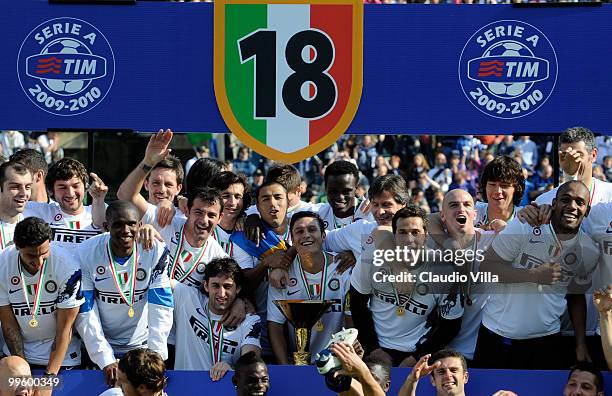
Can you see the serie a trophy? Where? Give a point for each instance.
(303, 315)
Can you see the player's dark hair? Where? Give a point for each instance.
(267, 184)
(410, 210)
(144, 367)
(303, 214)
(285, 174)
(589, 368)
(446, 353)
(225, 179)
(578, 134)
(17, 167)
(172, 163)
(34, 160)
(503, 169)
(119, 206)
(32, 232)
(226, 267)
(246, 360)
(202, 172)
(206, 194)
(339, 168)
(393, 184)
(66, 169)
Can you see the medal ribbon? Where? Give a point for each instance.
(2, 236)
(323, 278)
(486, 216)
(179, 249)
(215, 352)
(556, 243)
(131, 279)
(38, 293)
(228, 247)
(592, 190)
(337, 224)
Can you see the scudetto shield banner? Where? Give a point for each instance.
(288, 73)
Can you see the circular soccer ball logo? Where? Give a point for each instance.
(508, 69)
(66, 66)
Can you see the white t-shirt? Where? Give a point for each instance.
(356, 237)
(191, 319)
(68, 230)
(61, 290)
(152, 287)
(332, 222)
(482, 218)
(527, 310)
(335, 286)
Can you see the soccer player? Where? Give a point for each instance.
(251, 376)
(312, 276)
(585, 380)
(397, 324)
(203, 342)
(142, 372)
(371, 376)
(127, 291)
(40, 295)
(14, 367)
(448, 370)
(539, 265)
(34, 160)
(15, 191)
(160, 173)
(236, 195)
(288, 176)
(71, 221)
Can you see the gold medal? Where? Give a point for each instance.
(33, 322)
(319, 326)
(400, 311)
(131, 312)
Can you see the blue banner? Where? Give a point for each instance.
(427, 69)
(286, 380)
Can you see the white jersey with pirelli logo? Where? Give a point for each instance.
(527, 310)
(68, 230)
(61, 289)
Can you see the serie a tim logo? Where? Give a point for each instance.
(65, 66)
(508, 69)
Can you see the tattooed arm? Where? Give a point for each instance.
(65, 321)
(11, 331)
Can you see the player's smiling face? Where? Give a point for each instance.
(69, 194)
(384, 207)
(307, 236)
(123, 227)
(162, 185)
(458, 212)
(253, 380)
(16, 192)
(202, 218)
(222, 292)
(499, 194)
(233, 201)
(340, 190)
(570, 207)
(450, 378)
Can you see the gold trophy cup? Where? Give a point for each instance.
(303, 315)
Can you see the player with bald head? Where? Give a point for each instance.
(127, 291)
(539, 268)
(13, 367)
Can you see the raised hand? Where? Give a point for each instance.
(157, 148)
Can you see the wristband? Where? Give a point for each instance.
(341, 383)
(146, 168)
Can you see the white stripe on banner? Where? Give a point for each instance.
(287, 133)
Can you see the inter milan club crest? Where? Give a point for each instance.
(288, 73)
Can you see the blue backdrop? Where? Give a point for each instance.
(305, 381)
(421, 64)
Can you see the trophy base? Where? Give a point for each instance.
(301, 358)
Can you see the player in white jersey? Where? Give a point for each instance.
(236, 195)
(251, 376)
(539, 268)
(71, 221)
(313, 275)
(142, 372)
(399, 325)
(40, 295)
(127, 291)
(36, 164)
(203, 342)
(15, 191)
(160, 173)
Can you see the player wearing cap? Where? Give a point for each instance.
(127, 291)
(203, 342)
(313, 275)
(40, 295)
(71, 221)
